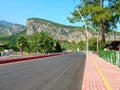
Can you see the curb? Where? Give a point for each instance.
(28, 58)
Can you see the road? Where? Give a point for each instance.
(63, 72)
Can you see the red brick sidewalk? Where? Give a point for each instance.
(100, 75)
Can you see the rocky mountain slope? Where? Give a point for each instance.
(58, 31)
(8, 28)
(62, 32)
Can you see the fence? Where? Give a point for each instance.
(111, 57)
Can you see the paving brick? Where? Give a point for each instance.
(92, 79)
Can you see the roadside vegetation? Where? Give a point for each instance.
(102, 15)
(39, 42)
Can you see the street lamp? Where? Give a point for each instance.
(86, 31)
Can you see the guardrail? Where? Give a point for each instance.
(112, 57)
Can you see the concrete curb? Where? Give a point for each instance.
(28, 58)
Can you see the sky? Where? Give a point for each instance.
(18, 11)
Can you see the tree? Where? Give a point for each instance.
(92, 43)
(5, 45)
(98, 13)
(42, 42)
(21, 43)
(33, 41)
(57, 47)
(81, 44)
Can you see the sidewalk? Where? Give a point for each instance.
(100, 75)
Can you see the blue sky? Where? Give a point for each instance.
(17, 11)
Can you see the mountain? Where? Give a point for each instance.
(63, 32)
(16, 28)
(8, 28)
(3, 22)
(57, 31)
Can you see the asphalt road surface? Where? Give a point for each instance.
(63, 72)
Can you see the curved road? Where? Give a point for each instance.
(63, 72)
